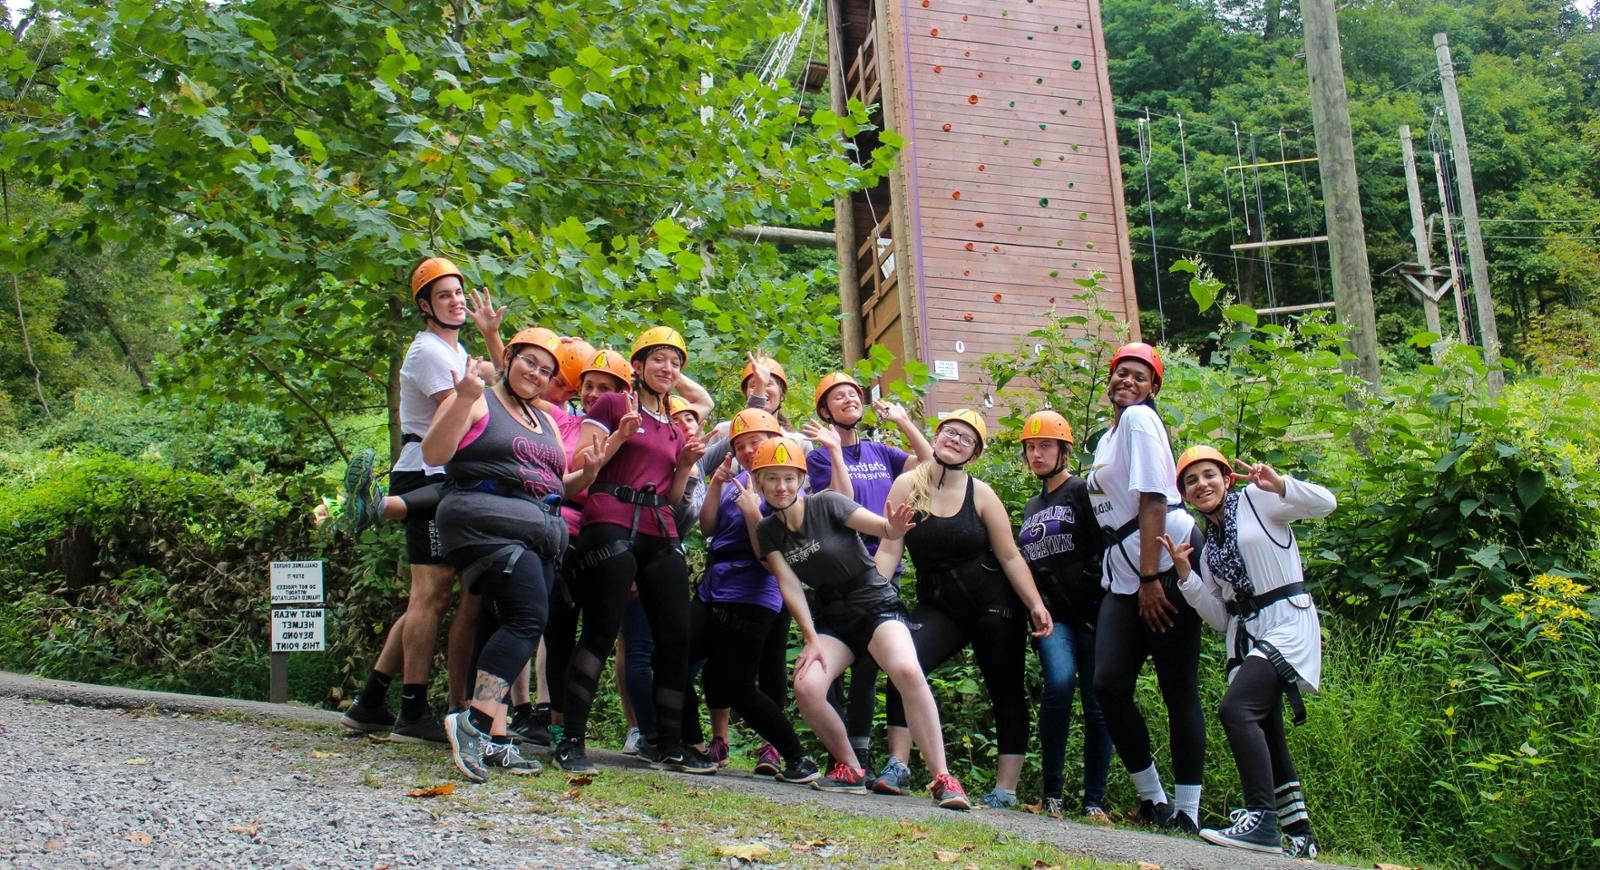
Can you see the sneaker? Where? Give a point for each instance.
(507, 757)
(424, 729)
(1096, 816)
(630, 745)
(948, 793)
(527, 729)
(1300, 845)
(1053, 806)
(361, 719)
(689, 760)
(718, 750)
(894, 778)
(994, 800)
(467, 746)
(1183, 823)
(842, 778)
(1153, 815)
(570, 757)
(1255, 830)
(363, 499)
(801, 772)
(768, 761)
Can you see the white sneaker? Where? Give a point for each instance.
(630, 746)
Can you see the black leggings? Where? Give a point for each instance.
(1252, 714)
(1122, 645)
(999, 644)
(724, 635)
(511, 609)
(561, 635)
(657, 568)
(773, 674)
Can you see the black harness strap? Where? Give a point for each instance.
(1115, 537)
(1248, 608)
(640, 497)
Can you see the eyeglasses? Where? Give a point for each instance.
(540, 370)
(960, 438)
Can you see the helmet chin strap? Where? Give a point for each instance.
(428, 314)
(829, 419)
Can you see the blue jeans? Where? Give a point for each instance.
(639, 646)
(1067, 659)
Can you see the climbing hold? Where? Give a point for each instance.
(1055, 273)
(972, 99)
(1089, 245)
(997, 249)
(1077, 64)
(965, 272)
(924, 4)
(980, 167)
(1059, 241)
(947, 128)
(1030, 37)
(1008, 58)
(1074, 146)
(1061, 158)
(1037, 161)
(1083, 215)
(1005, 141)
(933, 32)
(1063, 111)
(937, 69)
(1074, 264)
(966, 54)
(1080, 25)
(997, 297)
(963, 18)
(1071, 184)
(1044, 202)
(1080, 102)
(969, 246)
(979, 224)
(1055, 28)
(1012, 104)
(1052, 300)
(1039, 80)
(1041, 126)
(967, 316)
(980, 75)
(955, 194)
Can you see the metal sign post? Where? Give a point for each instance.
(297, 628)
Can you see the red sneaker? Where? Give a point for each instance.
(846, 779)
(948, 793)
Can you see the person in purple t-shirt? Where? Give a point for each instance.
(863, 470)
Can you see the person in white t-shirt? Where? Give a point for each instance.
(433, 363)
(1133, 487)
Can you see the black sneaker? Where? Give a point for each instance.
(526, 729)
(1300, 846)
(570, 757)
(1255, 830)
(507, 757)
(361, 719)
(423, 729)
(842, 778)
(467, 745)
(1183, 823)
(1153, 815)
(768, 761)
(801, 772)
(688, 760)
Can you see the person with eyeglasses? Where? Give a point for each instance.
(973, 589)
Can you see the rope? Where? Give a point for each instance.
(1183, 147)
(1150, 207)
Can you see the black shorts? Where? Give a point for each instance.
(422, 533)
(853, 616)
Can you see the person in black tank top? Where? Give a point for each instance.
(501, 531)
(973, 587)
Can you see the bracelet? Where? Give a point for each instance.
(1148, 578)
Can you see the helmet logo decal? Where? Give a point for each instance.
(781, 454)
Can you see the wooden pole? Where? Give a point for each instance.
(278, 682)
(1450, 249)
(844, 219)
(1477, 262)
(786, 235)
(1419, 237)
(1341, 194)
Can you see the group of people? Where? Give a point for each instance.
(566, 525)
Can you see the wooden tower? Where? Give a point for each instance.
(1008, 188)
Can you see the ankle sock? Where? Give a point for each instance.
(413, 701)
(1148, 783)
(522, 711)
(1186, 799)
(376, 690)
(480, 720)
(1009, 794)
(501, 739)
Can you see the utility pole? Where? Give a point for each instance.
(1341, 195)
(1463, 325)
(1476, 262)
(1419, 238)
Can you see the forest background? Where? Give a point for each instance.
(210, 210)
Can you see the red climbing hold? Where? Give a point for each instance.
(969, 246)
(967, 316)
(937, 69)
(997, 249)
(980, 167)
(973, 98)
(924, 4)
(979, 224)
(955, 194)
(997, 297)
(947, 128)
(934, 32)
(965, 272)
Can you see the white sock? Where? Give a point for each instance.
(1148, 783)
(1186, 799)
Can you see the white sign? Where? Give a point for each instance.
(946, 370)
(296, 582)
(297, 629)
(875, 393)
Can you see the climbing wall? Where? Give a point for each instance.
(1011, 173)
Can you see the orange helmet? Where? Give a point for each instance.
(780, 452)
(1201, 453)
(753, 420)
(1046, 424)
(431, 270)
(659, 336)
(772, 366)
(679, 405)
(1142, 352)
(609, 362)
(828, 383)
(572, 356)
(971, 418)
(537, 336)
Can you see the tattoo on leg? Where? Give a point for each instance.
(490, 689)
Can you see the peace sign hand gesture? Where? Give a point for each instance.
(760, 375)
(469, 386)
(724, 472)
(629, 424)
(749, 503)
(1259, 474)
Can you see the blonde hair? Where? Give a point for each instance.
(920, 495)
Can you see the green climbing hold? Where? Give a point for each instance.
(1059, 242)
(1055, 28)
(1041, 126)
(1030, 37)
(1055, 273)
(1089, 245)
(1077, 64)
(1044, 202)
(1039, 80)
(1074, 146)
(1037, 161)
(1012, 104)
(1083, 215)
(1069, 185)
(1080, 102)
(1005, 141)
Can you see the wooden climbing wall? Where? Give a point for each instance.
(1010, 185)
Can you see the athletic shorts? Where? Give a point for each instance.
(853, 617)
(422, 533)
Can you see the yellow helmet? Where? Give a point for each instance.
(780, 452)
(659, 336)
(1046, 424)
(971, 418)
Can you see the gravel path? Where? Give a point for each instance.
(122, 787)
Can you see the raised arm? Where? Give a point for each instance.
(1003, 543)
(698, 398)
(456, 414)
(838, 475)
(921, 450)
(1201, 593)
(487, 318)
(887, 559)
